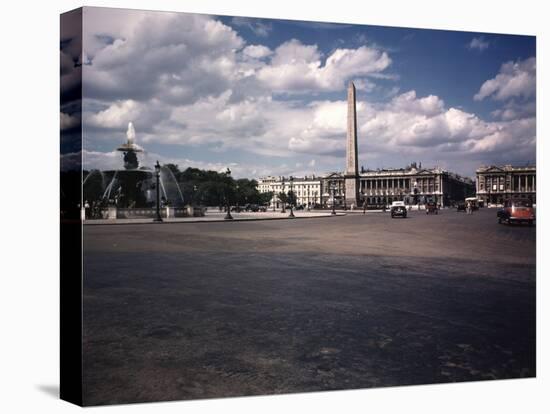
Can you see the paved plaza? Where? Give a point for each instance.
(203, 310)
(213, 215)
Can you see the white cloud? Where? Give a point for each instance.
(514, 80)
(174, 57)
(117, 115)
(257, 51)
(478, 43)
(296, 67)
(514, 110)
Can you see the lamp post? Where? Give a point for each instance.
(291, 215)
(333, 188)
(228, 215)
(238, 206)
(158, 218)
(283, 210)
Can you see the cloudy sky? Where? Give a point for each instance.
(268, 96)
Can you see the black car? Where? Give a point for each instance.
(461, 206)
(432, 208)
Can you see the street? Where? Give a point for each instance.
(204, 310)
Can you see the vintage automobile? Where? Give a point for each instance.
(431, 207)
(398, 208)
(252, 207)
(516, 211)
(461, 206)
(473, 201)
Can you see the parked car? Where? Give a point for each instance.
(431, 208)
(516, 211)
(398, 208)
(461, 206)
(252, 207)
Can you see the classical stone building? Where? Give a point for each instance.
(307, 189)
(497, 183)
(333, 187)
(412, 184)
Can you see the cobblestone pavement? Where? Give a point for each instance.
(245, 308)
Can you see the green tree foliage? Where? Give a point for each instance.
(212, 188)
(265, 198)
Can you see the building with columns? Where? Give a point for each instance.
(494, 184)
(412, 184)
(307, 189)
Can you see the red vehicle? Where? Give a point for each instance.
(516, 211)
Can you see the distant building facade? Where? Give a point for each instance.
(494, 184)
(412, 184)
(307, 189)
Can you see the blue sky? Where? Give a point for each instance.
(268, 96)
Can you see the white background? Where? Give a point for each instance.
(29, 291)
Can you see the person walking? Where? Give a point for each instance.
(364, 207)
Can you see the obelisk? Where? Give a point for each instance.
(351, 174)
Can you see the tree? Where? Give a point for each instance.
(248, 192)
(265, 198)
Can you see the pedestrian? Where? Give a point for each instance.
(469, 208)
(364, 207)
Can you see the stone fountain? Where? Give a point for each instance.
(130, 192)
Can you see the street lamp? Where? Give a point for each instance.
(158, 218)
(333, 188)
(228, 215)
(283, 202)
(238, 206)
(291, 215)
